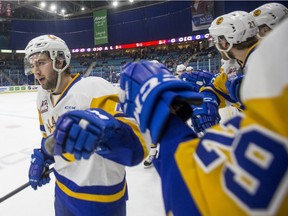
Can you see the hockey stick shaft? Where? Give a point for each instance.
(90, 68)
(22, 187)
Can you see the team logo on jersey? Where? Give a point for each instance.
(256, 13)
(219, 20)
(44, 106)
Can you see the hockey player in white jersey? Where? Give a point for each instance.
(235, 37)
(268, 16)
(237, 168)
(90, 132)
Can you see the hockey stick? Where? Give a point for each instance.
(22, 187)
(90, 68)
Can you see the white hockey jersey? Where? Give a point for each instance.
(86, 185)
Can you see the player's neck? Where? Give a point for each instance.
(240, 55)
(65, 80)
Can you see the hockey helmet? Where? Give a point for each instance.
(235, 27)
(270, 14)
(180, 68)
(56, 47)
(189, 69)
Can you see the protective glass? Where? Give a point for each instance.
(34, 62)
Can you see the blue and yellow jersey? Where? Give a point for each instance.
(89, 186)
(239, 167)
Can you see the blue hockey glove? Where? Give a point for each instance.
(39, 165)
(81, 132)
(233, 87)
(150, 93)
(207, 114)
(197, 79)
(133, 75)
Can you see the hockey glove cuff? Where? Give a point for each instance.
(39, 165)
(233, 87)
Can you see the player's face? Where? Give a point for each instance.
(264, 30)
(222, 43)
(41, 66)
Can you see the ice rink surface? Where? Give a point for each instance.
(19, 134)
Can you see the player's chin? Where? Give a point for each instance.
(45, 85)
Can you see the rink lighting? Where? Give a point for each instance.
(6, 51)
(53, 7)
(115, 3)
(43, 5)
(20, 51)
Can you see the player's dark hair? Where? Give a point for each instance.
(247, 44)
